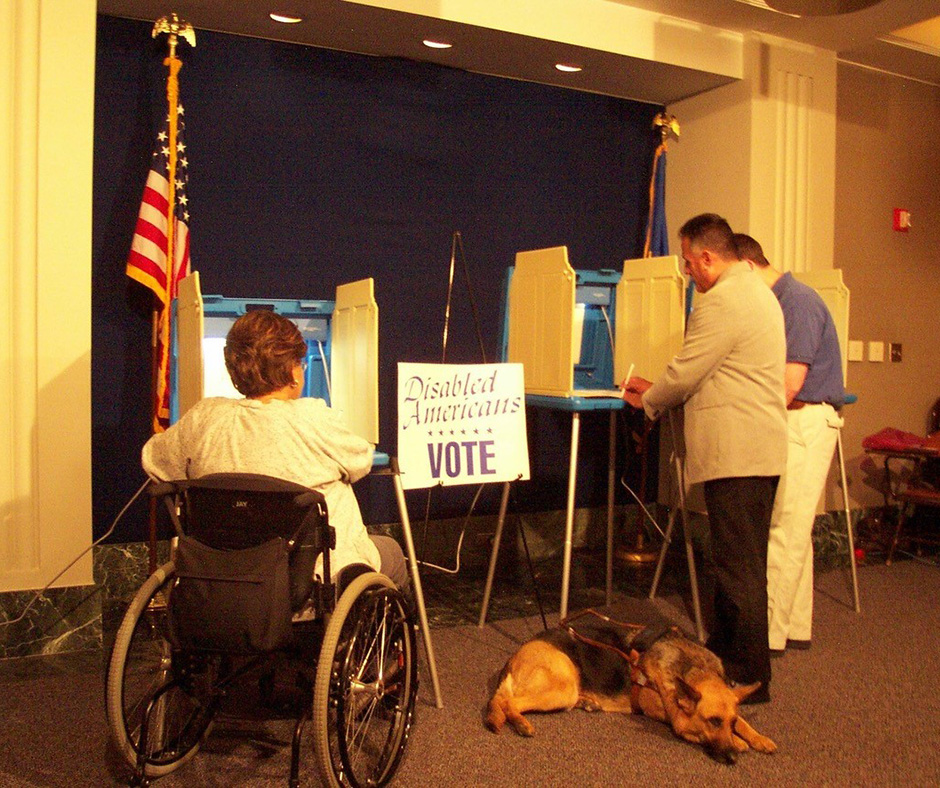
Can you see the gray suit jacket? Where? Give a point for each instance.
(729, 377)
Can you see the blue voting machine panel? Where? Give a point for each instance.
(313, 318)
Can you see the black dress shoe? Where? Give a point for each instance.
(799, 645)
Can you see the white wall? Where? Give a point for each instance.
(47, 51)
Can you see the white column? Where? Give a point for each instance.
(47, 59)
(761, 152)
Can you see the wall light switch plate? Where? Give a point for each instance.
(856, 350)
(876, 351)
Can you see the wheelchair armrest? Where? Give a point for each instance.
(157, 489)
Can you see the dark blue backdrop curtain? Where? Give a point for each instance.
(310, 168)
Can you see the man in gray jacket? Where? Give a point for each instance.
(728, 378)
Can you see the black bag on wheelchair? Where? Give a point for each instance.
(244, 562)
(231, 600)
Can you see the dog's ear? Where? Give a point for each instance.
(687, 697)
(742, 691)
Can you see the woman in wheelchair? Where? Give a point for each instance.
(216, 612)
(276, 432)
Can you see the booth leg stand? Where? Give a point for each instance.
(569, 519)
(569, 514)
(689, 553)
(693, 577)
(416, 584)
(848, 518)
(503, 503)
(667, 540)
(611, 487)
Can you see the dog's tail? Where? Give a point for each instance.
(496, 711)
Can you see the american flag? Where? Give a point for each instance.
(147, 262)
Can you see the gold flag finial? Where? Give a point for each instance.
(667, 124)
(173, 26)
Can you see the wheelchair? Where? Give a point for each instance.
(238, 605)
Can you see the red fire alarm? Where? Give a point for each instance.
(902, 220)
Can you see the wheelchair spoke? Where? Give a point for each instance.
(154, 729)
(372, 686)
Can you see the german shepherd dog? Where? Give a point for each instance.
(667, 677)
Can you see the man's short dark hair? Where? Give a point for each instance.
(710, 231)
(749, 249)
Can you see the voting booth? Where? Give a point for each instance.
(578, 334)
(342, 339)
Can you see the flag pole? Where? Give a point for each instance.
(173, 27)
(654, 245)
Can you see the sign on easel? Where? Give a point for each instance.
(461, 424)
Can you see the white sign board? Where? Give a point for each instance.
(461, 424)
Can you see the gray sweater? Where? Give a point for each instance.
(301, 440)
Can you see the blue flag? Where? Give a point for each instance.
(657, 237)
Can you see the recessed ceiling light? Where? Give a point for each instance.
(569, 68)
(435, 44)
(286, 19)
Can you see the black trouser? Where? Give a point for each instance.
(739, 511)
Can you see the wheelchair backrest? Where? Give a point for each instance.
(245, 560)
(235, 511)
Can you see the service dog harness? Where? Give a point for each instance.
(643, 638)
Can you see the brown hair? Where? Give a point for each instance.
(261, 350)
(710, 231)
(749, 249)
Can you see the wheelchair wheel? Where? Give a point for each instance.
(141, 663)
(366, 684)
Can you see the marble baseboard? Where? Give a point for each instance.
(58, 621)
(76, 619)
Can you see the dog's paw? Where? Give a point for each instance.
(587, 705)
(524, 728)
(739, 744)
(763, 744)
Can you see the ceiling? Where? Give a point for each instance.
(897, 36)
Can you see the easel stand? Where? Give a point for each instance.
(503, 505)
(456, 251)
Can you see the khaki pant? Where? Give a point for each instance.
(811, 442)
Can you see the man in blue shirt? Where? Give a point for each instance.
(814, 394)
